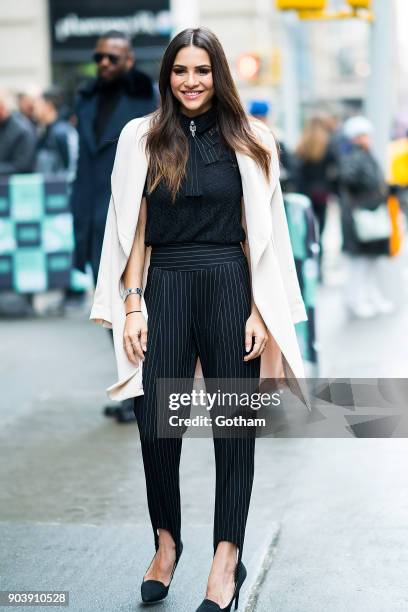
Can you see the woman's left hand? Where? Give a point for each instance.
(255, 327)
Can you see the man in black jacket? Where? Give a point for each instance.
(17, 141)
(118, 94)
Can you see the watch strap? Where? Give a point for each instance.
(130, 290)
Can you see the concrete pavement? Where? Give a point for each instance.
(102, 565)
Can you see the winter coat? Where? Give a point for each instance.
(314, 178)
(91, 188)
(361, 186)
(57, 149)
(274, 280)
(17, 145)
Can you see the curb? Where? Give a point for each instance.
(259, 569)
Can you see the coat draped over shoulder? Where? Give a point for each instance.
(275, 285)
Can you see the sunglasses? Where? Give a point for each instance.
(114, 59)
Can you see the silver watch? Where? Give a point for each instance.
(126, 292)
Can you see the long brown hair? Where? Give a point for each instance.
(314, 140)
(166, 143)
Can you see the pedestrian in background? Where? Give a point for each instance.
(315, 162)
(338, 145)
(260, 109)
(57, 147)
(118, 94)
(17, 140)
(17, 152)
(26, 101)
(365, 237)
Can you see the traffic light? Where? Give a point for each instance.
(248, 65)
(359, 4)
(301, 5)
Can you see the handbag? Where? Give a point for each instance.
(371, 225)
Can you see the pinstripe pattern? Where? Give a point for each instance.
(198, 299)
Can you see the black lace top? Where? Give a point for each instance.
(208, 205)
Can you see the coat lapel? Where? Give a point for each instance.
(115, 122)
(87, 117)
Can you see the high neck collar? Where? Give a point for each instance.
(110, 88)
(203, 122)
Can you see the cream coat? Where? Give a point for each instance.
(274, 281)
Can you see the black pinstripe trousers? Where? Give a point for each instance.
(198, 298)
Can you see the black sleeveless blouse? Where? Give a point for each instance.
(208, 205)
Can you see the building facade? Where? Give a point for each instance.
(25, 61)
(298, 65)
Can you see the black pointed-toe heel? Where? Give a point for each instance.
(153, 591)
(210, 606)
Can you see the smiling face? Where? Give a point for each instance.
(191, 80)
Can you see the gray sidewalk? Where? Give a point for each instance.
(102, 565)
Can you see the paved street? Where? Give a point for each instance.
(328, 522)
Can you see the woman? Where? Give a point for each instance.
(316, 166)
(363, 188)
(191, 184)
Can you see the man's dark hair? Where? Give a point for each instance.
(117, 34)
(54, 96)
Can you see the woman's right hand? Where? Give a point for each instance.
(135, 337)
